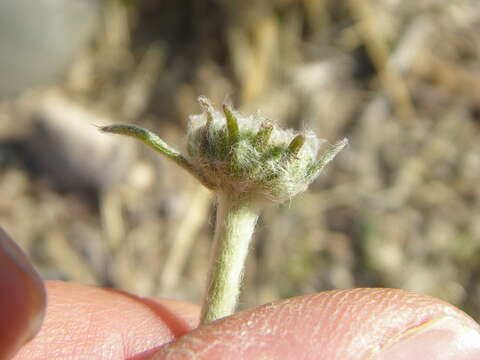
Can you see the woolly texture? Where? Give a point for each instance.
(252, 157)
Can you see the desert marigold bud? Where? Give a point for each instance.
(252, 157)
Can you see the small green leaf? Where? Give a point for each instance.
(154, 141)
(263, 135)
(327, 157)
(232, 124)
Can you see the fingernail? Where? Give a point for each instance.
(443, 338)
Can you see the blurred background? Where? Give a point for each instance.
(400, 207)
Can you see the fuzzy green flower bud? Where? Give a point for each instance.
(252, 157)
(246, 156)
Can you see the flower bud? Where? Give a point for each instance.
(254, 158)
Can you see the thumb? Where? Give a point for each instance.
(342, 324)
(23, 300)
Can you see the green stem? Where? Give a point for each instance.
(236, 219)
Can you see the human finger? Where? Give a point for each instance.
(342, 324)
(85, 322)
(22, 298)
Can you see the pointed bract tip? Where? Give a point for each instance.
(232, 123)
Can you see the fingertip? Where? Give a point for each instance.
(341, 324)
(22, 298)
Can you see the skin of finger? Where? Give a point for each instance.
(342, 324)
(22, 298)
(85, 322)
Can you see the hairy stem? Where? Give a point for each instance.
(235, 223)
